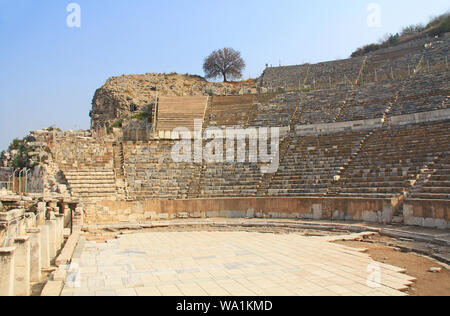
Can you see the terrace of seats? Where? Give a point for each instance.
(391, 159)
(228, 180)
(436, 185)
(319, 75)
(369, 101)
(152, 174)
(423, 92)
(87, 166)
(311, 163)
(228, 111)
(395, 63)
(176, 112)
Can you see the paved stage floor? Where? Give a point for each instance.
(228, 263)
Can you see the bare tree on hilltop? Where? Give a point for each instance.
(225, 62)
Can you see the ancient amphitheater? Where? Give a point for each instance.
(363, 151)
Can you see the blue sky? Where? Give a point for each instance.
(49, 72)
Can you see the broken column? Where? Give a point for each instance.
(52, 238)
(41, 210)
(45, 247)
(35, 256)
(60, 230)
(7, 271)
(22, 286)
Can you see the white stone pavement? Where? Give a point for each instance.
(230, 263)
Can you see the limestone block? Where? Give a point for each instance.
(35, 254)
(163, 216)
(250, 213)
(317, 211)
(52, 228)
(7, 271)
(22, 286)
(45, 246)
(53, 288)
(387, 214)
(408, 214)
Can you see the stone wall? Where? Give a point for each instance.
(427, 213)
(370, 210)
(71, 151)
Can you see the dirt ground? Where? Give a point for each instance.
(427, 284)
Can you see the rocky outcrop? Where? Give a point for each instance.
(125, 96)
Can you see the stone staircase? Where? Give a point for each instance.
(333, 190)
(262, 188)
(312, 162)
(119, 161)
(89, 184)
(434, 183)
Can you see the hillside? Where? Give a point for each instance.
(125, 96)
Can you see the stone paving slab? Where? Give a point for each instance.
(230, 263)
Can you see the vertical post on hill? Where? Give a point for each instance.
(376, 79)
(392, 73)
(329, 79)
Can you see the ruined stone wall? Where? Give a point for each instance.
(71, 151)
(394, 63)
(151, 172)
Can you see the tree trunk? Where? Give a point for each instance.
(225, 77)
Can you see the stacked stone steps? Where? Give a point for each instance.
(174, 112)
(230, 179)
(231, 110)
(312, 162)
(278, 111)
(423, 92)
(91, 183)
(297, 192)
(391, 160)
(323, 106)
(266, 179)
(151, 173)
(431, 196)
(369, 101)
(437, 185)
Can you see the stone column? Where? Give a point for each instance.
(42, 213)
(22, 286)
(35, 256)
(67, 215)
(45, 247)
(60, 230)
(52, 238)
(7, 271)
